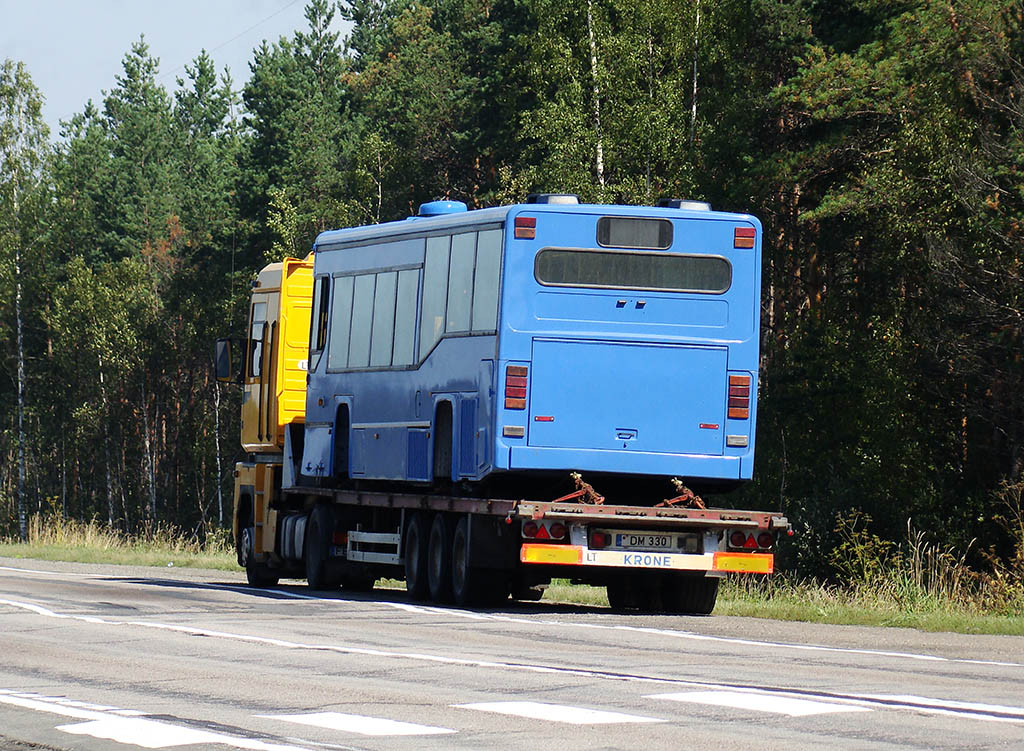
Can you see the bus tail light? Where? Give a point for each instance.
(739, 397)
(515, 386)
(526, 228)
(743, 237)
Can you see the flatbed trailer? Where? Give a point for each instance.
(481, 550)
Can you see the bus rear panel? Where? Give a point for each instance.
(632, 335)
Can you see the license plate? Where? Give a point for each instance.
(644, 541)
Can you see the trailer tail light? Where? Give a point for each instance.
(515, 386)
(765, 540)
(737, 539)
(598, 540)
(526, 228)
(535, 530)
(743, 237)
(739, 397)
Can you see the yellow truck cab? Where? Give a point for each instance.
(273, 378)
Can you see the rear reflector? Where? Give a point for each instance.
(743, 237)
(526, 227)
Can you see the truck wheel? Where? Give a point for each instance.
(257, 574)
(439, 560)
(319, 530)
(622, 594)
(414, 547)
(695, 595)
(468, 583)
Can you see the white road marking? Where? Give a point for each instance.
(760, 702)
(119, 725)
(556, 712)
(990, 712)
(361, 724)
(1016, 713)
(671, 633)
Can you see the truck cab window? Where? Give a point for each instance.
(257, 327)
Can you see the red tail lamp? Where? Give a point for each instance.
(526, 228)
(516, 377)
(743, 237)
(739, 397)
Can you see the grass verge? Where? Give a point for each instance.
(57, 539)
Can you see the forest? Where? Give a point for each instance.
(880, 142)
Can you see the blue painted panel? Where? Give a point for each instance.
(418, 456)
(467, 438)
(628, 397)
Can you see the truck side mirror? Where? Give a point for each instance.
(224, 363)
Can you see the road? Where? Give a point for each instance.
(99, 657)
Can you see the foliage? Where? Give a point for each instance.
(881, 144)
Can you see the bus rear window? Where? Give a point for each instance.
(625, 270)
(620, 232)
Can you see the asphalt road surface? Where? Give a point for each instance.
(103, 657)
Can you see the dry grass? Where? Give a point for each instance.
(60, 539)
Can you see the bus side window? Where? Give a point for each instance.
(383, 319)
(256, 330)
(405, 318)
(362, 315)
(341, 319)
(318, 327)
(435, 293)
(485, 282)
(460, 283)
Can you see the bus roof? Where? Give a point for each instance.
(417, 225)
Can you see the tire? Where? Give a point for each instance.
(256, 574)
(621, 594)
(358, 582)
(439, 560)
(694, 595)
(469, 583)
(638, 590)
(414, 550)
(319, 530)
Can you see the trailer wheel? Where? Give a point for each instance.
(622, 594)
(257, 574)
(439, 560)
(468, 586)
(415, 545)
(319, 529)
(695, 595)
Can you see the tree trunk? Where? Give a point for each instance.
(599, 156)
(693, 103)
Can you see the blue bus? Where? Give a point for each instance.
(507, 347)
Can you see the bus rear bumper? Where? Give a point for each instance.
(630, 462)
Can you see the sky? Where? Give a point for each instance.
(73, 48)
